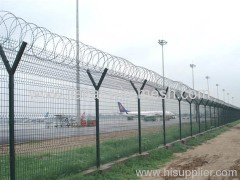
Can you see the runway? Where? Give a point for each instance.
(27, 132)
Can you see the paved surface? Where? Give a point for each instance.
(27, 132)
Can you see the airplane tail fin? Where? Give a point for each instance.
(46, 115)
(83, 116)
(121, 108)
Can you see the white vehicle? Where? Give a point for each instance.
(63, 121)
(147, 115)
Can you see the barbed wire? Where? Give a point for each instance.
(48, 46)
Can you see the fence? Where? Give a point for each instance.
(60, 115)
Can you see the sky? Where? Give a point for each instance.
(205, 33)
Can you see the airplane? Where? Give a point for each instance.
(37, 119)
(147, 115)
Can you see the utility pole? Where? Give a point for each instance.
(217, 90)
(207, 77)
(223, 95)
(162, 43)
(77, 67)
(192, 66)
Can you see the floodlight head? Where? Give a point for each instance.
(217, 84)
(192, 65)
(207, 77)
(162, 42)
(223, 90)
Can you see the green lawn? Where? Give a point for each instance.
(157, 158)
(56, 165)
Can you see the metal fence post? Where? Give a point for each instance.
(224, 118)
(139, 114)
(205, 114)
(164, 114)
(190, 105)
(97, 87)
(11, 72)
(180, 117)
(164, 124)
(191, 118)
(210, 112)
(214, 114)
(198, 114)
(180, 120)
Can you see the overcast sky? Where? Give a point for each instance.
(205, 33)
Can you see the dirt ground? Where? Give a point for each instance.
(220, 153)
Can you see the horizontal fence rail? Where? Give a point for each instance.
(59, 116)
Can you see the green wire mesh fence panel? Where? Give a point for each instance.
(49, 139)
(4, 124)
(118, 129)
(172, 123)
(55, 106)
(152, 129)
(202, 117)
(186, 126)
(211, 117)
(194, 119)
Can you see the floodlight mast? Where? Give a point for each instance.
(77, 67)
(207, 77)
(192, 66)
(162, 43)
(223, 95)
(228, 97)
(217, 90)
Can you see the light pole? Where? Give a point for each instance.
(223, 95)
(228, 97)
(162, 43)
(207, 77)
(77, 67)
(232, 99)
(192, 66)
(217, 90)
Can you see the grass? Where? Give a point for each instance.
(156, 159)
(233, 123)
(56, 165)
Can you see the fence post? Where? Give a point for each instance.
(11, 71)
(190, 104)
(210, 112)
(222, 118)
(139, 114)
(198, 114)
(214, 114)
(97, 87)
(224, 115)
(164, 114)
(180, 117)
(205, 114)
